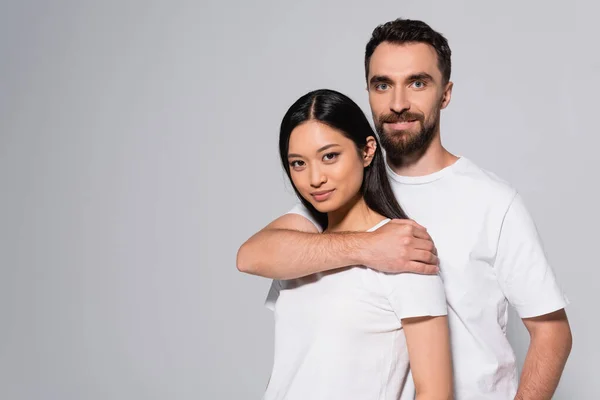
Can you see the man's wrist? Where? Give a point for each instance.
(360, 250)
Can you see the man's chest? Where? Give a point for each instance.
(466, 235)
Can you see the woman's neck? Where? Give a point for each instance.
(355, 216)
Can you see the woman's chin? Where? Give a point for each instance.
(324, 207)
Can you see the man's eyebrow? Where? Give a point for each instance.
(327, 146)
(380, 79)
(421, 76)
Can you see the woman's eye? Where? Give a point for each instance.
(330, 156)
(297, 164)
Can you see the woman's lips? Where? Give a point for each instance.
(322, 195)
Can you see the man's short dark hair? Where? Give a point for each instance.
(401, 31)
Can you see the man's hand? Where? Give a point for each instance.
(401, 246)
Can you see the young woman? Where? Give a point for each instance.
(351, 333)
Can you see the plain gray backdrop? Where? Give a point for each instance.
(138, 150)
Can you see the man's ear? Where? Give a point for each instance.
(447, 95)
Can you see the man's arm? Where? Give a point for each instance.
(547, 355)
(531, 287)
(291, 247)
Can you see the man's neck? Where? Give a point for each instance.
(433, 159)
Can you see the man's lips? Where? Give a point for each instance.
(401, 124)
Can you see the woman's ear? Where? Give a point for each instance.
(369, 151)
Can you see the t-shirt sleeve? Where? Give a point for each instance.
(300, 209)
(523, 272)
(273, 295)
(415, 295)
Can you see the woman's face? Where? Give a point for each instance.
(326, 166)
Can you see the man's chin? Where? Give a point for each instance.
(400, 139)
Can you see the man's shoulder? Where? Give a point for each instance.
(486, 183)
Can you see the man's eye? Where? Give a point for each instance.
(419, 84)
(381, 86)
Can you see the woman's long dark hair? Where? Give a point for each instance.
(341, 113)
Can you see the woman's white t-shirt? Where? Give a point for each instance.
(338, 334)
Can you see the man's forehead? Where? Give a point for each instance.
(400, 60)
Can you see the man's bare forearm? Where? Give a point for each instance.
(289, 254)
(545, 361)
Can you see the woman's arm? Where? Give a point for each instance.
(428, 344)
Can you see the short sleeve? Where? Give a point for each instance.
(273, 295)
(415, 295)
(300, 209)
(523, 272)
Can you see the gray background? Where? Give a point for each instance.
(138, 150)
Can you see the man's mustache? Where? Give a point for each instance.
(402, 117)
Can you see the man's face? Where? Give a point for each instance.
(406, 94)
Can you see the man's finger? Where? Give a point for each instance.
(407, 222)
(423, 256)
(421, 234)
(423, 244)
(421, 268)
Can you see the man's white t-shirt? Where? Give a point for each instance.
(338, 334)
(490, 256)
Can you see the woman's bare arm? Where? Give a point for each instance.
(430, 359)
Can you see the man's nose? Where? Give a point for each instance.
(399, 102)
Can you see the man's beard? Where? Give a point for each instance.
(402, 143)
